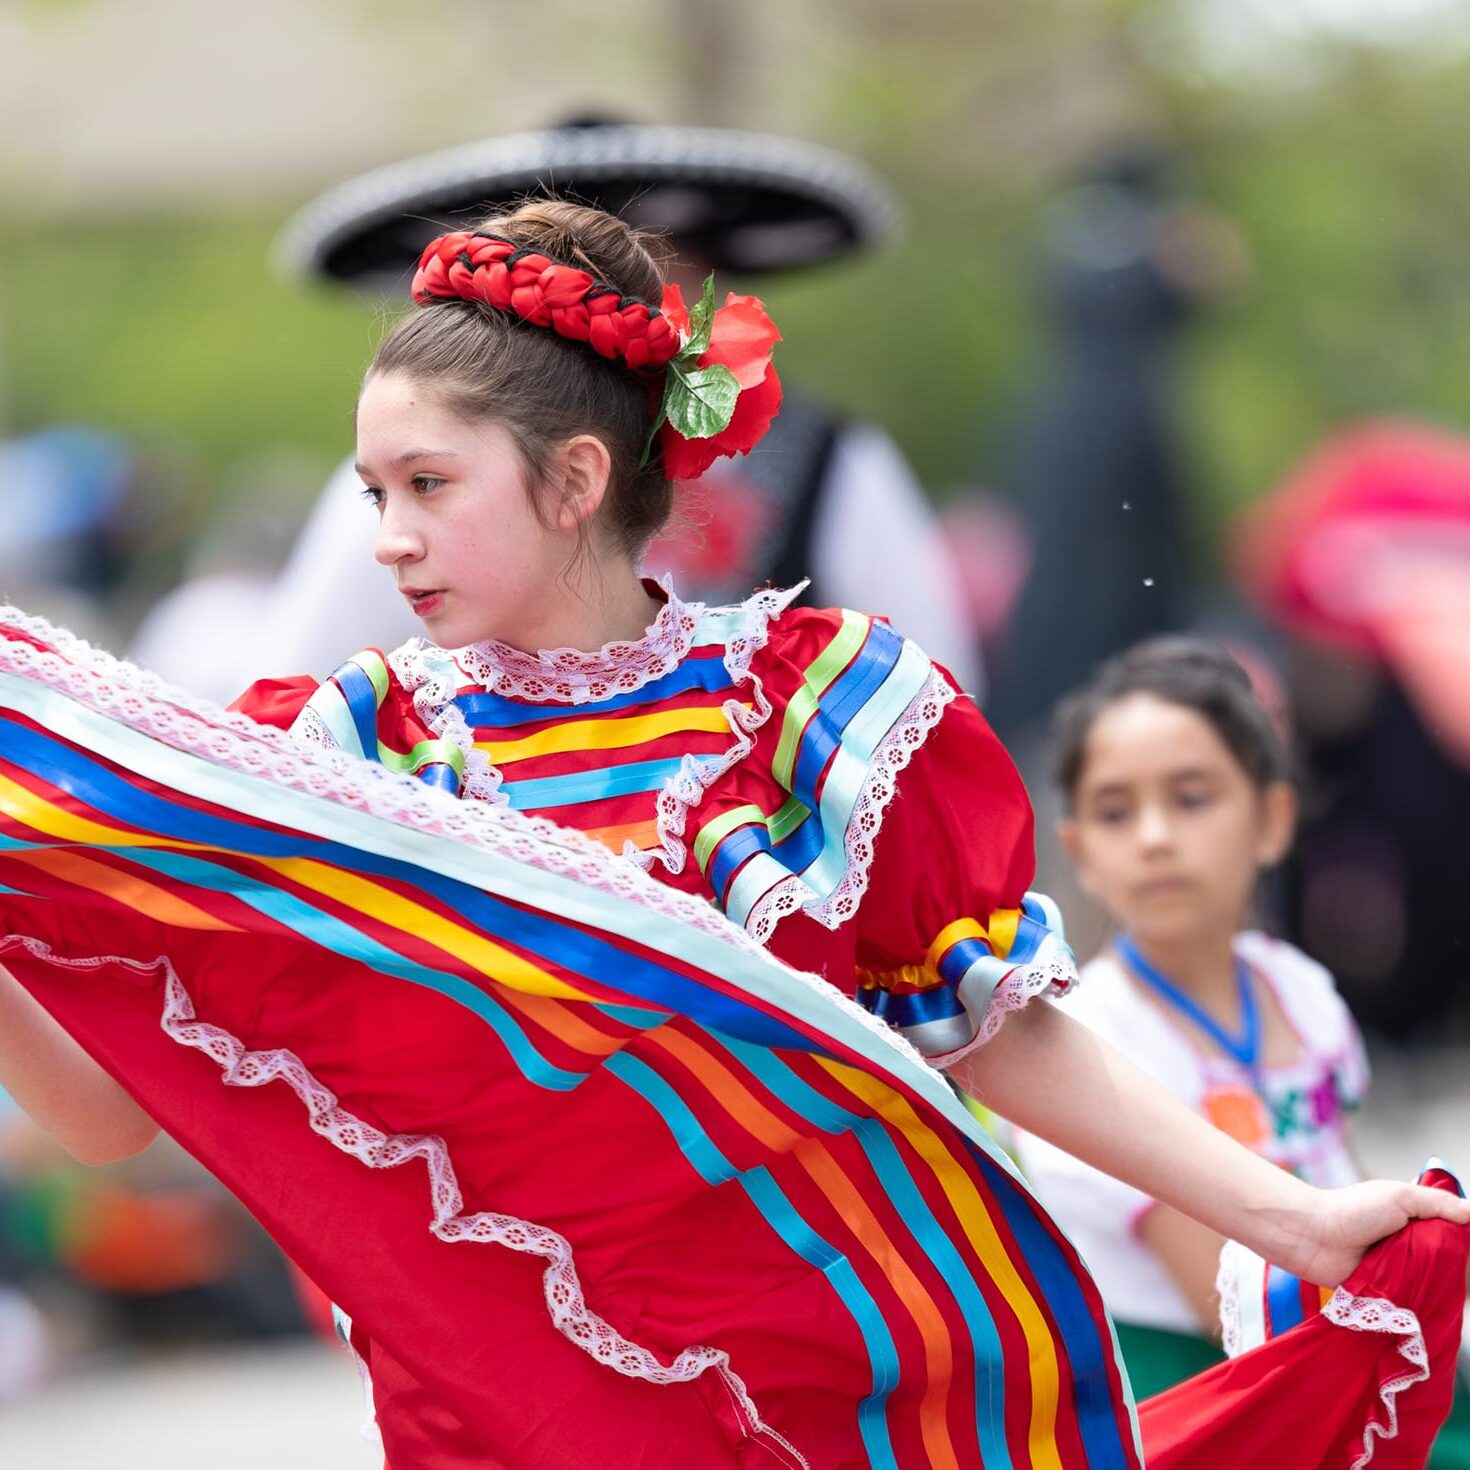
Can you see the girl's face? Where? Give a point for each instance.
(456, 522)
(1167, 831)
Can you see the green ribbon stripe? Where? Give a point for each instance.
(803, 705)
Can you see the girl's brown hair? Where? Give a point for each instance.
(541, 388)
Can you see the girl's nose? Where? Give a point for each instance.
(398, 539)
(1154, 828)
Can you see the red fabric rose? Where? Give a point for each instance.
(742, 338)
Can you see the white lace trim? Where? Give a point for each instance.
(143, 702)
(429, 674)
(1374, 1314)
(575, 676)
(1052, 972)
(686, 787)
(573, 1318)
(1234, 1261)
(1239, 1265)
(310, 727)
(894, 752)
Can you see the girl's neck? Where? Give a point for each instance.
(595, 606)
(1203, 966)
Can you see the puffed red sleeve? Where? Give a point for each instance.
(276, 701)
(949, 939)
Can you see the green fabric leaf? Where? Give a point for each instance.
(658, 423)
(701, 321)
(700, 402)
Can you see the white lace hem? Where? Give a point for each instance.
(573, 1318)
(1373, 1314)
(1238, 1265)
(894, 752)
(686, 787)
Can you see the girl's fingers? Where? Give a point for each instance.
(1437, 1204)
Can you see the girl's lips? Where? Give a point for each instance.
(1162, 887)
(423, 603)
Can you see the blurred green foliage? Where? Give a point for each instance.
(1352, 193)
(176, 331)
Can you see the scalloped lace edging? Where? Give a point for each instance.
(686, 787)
(430, 676)
(182, 721)
(1238, 1265)
(1234, 1262)
(1374, 1314)
(577, 676)
(573, 1318)
(1052, 972)
(894, 752)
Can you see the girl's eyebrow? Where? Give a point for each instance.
(410, 456)
(1110, 788)
(1123, 788)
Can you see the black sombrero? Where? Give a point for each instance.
(746, 202)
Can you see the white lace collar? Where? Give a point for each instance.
(575, 676)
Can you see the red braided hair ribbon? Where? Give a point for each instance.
(654, 341)
(544, 292)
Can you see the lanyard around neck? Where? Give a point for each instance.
(1245, 1048)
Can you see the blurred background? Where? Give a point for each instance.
(1182, 304)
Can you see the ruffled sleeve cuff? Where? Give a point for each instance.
(972, 977)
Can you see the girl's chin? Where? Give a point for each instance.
(1172, 930)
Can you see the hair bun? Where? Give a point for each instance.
(602, 244)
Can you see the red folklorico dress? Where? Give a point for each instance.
(530, 980)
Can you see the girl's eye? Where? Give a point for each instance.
(426, 483)
(1192, 800)
(1111, 816)
(372, 495)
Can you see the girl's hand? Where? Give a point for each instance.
(1328, 1242)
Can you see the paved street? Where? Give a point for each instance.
(296, 1407)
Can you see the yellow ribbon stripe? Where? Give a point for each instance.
(605, 734)
(970, 1208)
(492, 960)
(44, 816)
(365, 896)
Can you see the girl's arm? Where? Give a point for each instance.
(65, 1092)
(1056, 1078)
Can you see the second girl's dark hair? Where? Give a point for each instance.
(1191, 672)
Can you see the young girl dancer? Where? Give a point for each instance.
(689, 1205)
(1177, 794)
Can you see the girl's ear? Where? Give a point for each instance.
(1278, 823)
(1068, 839)
(586, 469)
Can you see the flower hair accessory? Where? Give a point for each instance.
(720, 391)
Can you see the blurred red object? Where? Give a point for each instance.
(145, 1243)
(1366, 546)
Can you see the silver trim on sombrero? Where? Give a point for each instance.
(523, 162)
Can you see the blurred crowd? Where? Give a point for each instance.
(1344, 591)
